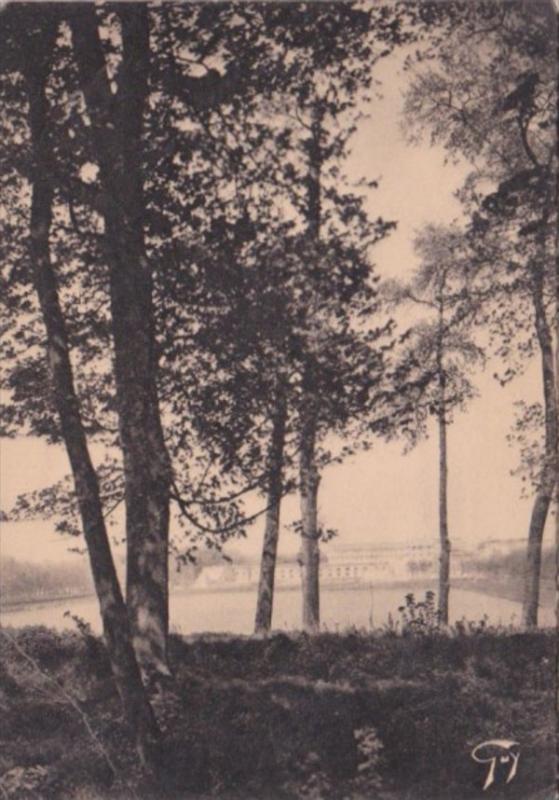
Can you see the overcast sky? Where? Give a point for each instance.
(383, 494)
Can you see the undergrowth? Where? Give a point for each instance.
(388, 715)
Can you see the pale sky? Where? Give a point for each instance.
(383, 494)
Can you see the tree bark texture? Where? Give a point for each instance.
(557, 451)
(265, 599)
(444, 539)
(116, 627)
(309, 480)
(544, 494)
(117, 125)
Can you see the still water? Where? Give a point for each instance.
(233, 611)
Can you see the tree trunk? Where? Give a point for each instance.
(532, 575)
(557, 453)
(444, 539)
(116, 629)
(548, 480)
(265, 599)
(444, 557)
(557, 540)
(309, 480)
(117, 125)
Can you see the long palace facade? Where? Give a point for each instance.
(346, 565)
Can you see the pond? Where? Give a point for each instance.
(233, 611)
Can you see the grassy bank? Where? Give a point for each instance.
(374, 716)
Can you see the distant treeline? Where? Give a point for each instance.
(26, 580)
(22, 581)
(513, 564)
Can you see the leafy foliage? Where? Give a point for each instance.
(489, 95)
(440, 345)
(224, 158)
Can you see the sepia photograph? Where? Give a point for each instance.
(279, 422)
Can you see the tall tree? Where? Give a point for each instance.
(442, 343)
(28, 50)
(225, 333)
(490, 95)
(136, 210)
(294, 126)
(172, 207)
(113, 53)
(333, 49)
(117, 126)
(275, 489)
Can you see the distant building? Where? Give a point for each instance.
(361, 565)
(343, 565)
(245, 576)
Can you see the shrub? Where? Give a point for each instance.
(419, 616)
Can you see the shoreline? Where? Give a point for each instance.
(13, 605)
(501, 590)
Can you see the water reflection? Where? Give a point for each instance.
(233, 611)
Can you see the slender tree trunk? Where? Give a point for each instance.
(555, 196)
(309, 480)
(117, 125)
(557, 541)
(444, 539)
(116, 629)
(557, 451)
(265, 599)
(309, 477)
(548, 479)
(444, 558)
